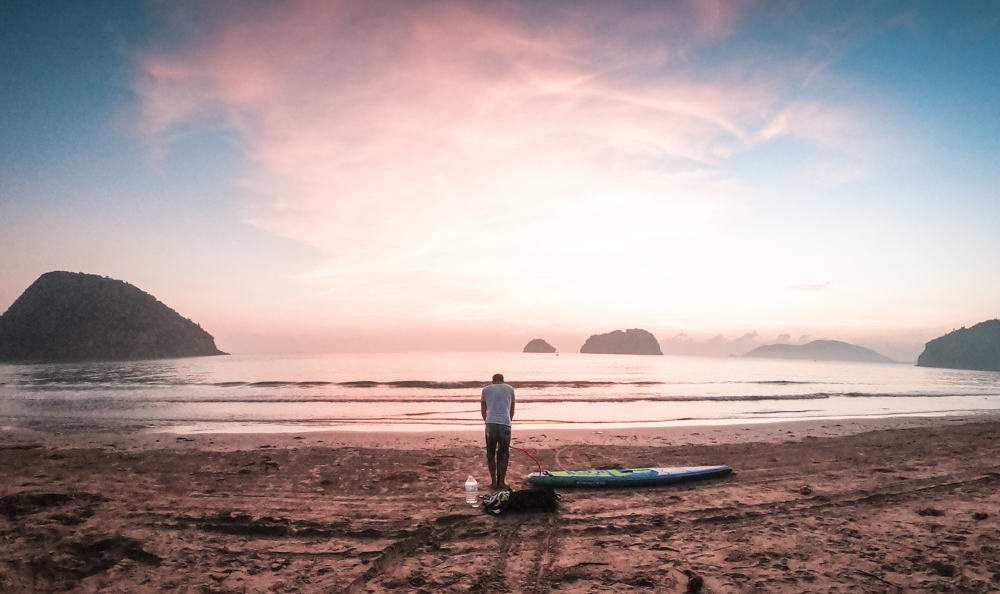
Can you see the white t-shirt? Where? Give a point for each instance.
(498, 398)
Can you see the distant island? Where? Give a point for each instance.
(633, 341)
(820, 350)
(539, 346)
(977, 348)
(72, 316)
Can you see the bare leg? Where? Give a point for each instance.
(503, 457)
(491, 461)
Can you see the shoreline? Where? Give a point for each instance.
(759, 431)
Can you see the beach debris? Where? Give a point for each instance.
(695, 582)
(930, 511)
(279, 564)
(980, 516)
(806, 490)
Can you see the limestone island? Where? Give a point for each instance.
(539, 346)
(72, 316)
(633, 341)
(820, 350)
(976, 348)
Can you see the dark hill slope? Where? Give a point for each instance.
(634, 341)
(539, 345)
(67, 316)
(820, 350)
(977, 347)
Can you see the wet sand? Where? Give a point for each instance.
(834, 506)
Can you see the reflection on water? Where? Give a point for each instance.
(101, 374)
(432, 390)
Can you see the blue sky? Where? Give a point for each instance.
(343, 175)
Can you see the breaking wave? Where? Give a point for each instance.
(172, 398)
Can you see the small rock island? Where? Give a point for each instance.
(820, 350)
(72, 316)
(976, 348)
(634, 341)
(539, 345)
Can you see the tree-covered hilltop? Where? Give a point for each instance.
(633, 341)
(72, 316)
(820, 350)
(539, 345)
(977, 347)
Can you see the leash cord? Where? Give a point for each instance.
(528, 454)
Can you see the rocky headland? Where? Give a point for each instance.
(72, 316)
(539, 345)
(634, 341)
(977, 348)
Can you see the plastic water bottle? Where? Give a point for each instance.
(472, 491)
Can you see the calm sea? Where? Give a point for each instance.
(431, 391)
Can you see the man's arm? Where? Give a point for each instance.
(482, 406)
(511, 410)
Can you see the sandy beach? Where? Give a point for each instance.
(877, 505)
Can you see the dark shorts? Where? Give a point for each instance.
(498, 436)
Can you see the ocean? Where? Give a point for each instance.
(440, 391)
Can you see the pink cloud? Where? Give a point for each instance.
(425, 146)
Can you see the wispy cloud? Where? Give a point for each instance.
(428, 146)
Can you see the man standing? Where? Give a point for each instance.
(497, 404)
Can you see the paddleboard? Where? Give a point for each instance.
(625, 476)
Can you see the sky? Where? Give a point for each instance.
(347, 175)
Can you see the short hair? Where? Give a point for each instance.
(497, 378)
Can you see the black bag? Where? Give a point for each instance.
(526, 500)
